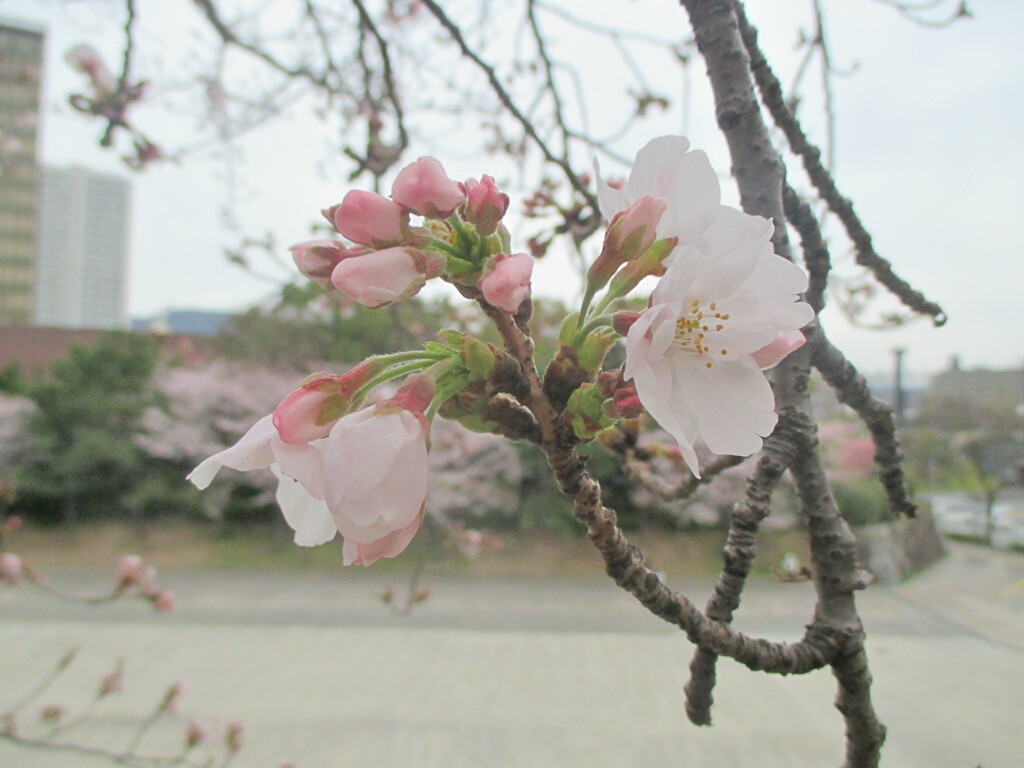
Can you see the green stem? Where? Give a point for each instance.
(601, 321)
(463, 237)
(394, 372)
(446, 247)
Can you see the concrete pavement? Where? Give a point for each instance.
(527, 672)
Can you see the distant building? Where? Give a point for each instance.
(82, 266)
(21, 66)
(980, 386)
(189, 322)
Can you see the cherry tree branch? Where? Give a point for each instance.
(771, 94)
(723, 39)
(591, 224)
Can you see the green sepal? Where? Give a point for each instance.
(478, 357)
(569, 327)
(460, 269)
(438, 348)
(587, 412)
(333, 408)
(591, 353)
(450, 338)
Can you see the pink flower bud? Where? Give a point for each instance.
(165, 602)
(778, 350)
(234, 738)
(87, 60)
(424, 188)
(113, 682)
(316, 259)
(369, 219)
(381, 277)
(309, 412)
(630, 233)
(623, 321)
(129, 570)
(10, 568)
(172, 699)
(195, 734)
(506, 280)
(485, 204)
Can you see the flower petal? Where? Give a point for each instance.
(368, 552)
(656, 166)
(734, 405)
(252, 451)
(306, 515)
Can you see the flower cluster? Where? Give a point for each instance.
(462, 239)
(724, 309)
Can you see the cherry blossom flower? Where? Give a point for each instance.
(377, 483)
(506, 280)
(692, 353)
(299, 469)
(364, 475)
(424, 188)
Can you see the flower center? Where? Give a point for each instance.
(697, 330)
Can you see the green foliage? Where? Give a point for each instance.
(79, 459)
(306, 328)
(12, 382)
(862, 501)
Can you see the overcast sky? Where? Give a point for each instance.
(930, 149)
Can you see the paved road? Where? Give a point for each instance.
(527, 672)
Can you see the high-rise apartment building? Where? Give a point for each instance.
(82, 265)
(21, 65)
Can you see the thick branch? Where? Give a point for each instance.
(760, 175)
(738, 553)
(813, 245)
(852, 389)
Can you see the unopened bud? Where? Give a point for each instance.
(234, 738)
(424, 188)
(630, 233)
(485, 204)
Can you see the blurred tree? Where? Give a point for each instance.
(78, 457)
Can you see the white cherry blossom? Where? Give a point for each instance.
(691, 354)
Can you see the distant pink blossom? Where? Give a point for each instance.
(11, 569)
(369, 219)
(424, 188)
(129, 570)
(164, 601)
(87, 60)
(506, 280)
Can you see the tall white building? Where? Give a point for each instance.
(82, 262)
